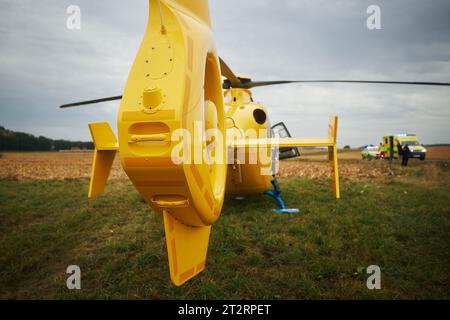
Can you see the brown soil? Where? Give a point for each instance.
(312, 164)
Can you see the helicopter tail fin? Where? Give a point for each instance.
(105, 151)
(186, 248)
(198, 9)
(330, 143)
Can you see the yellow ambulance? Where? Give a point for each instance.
(390, 146)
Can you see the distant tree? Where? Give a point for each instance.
(21, 141)
(347, 147)
(62, 145)
(44, 143)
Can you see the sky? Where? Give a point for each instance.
(43, 64)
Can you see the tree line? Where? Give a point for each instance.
(21, 141)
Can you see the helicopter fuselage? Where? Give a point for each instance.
(249, 169)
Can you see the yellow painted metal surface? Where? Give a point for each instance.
(175, 74)
(186, 248)
(105, 151)
(333, 157)
(283, 142)
(244, 176)
(103, 136)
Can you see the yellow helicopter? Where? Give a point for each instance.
(186, 135)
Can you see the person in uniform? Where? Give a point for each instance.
(406, 154)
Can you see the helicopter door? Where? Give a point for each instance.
(279, 130)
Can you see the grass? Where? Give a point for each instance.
(118, 242)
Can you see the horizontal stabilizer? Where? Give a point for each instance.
(330, 141)
(283, 142)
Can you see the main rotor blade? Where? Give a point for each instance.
(90, 102)
(227, 73)
(252, 84)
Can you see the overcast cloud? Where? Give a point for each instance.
(43, 64)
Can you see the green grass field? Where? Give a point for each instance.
(118, 242)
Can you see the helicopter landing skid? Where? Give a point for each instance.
(275, 194)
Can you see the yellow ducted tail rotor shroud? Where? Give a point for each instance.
(175, 71)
